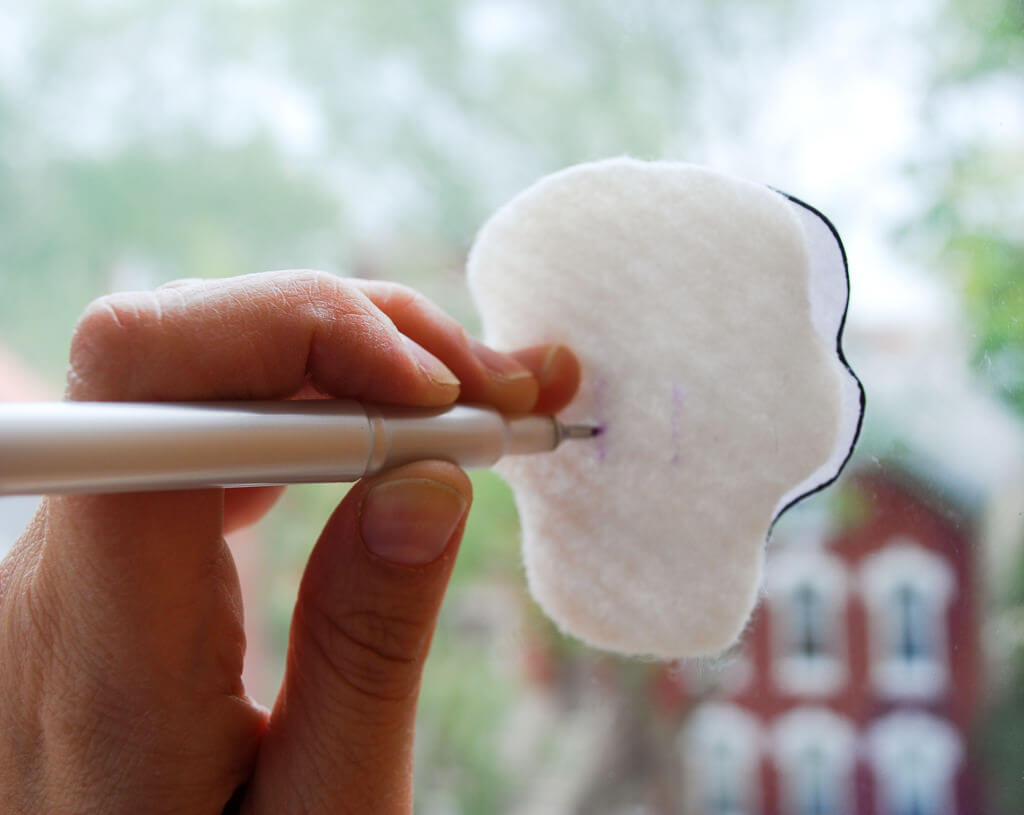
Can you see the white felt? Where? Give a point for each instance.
(687, 295)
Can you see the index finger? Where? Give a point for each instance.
(542, 379)
(260, 336)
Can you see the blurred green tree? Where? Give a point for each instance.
(76, 227)
(975, 180)
(976, 184)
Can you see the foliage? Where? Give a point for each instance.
(354, 136)
(466, 699)
(1000, 735)
(977, 182)
(994, 295)
(75, 227)
(976, 221)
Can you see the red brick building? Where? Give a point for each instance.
(859, 676)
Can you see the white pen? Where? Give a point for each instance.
(81, 447)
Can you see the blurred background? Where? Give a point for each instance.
(884, 670)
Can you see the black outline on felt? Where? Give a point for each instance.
(842, 358)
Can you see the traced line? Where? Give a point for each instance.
(842, 359)
(675, 421)
(600, 407)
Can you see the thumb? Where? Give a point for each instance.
(340, 736)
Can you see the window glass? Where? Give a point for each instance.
(883, 668)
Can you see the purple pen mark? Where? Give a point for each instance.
(675, 420)
(600, 408)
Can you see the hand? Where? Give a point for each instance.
(121, 639)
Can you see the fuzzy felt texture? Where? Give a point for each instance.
(708, 335)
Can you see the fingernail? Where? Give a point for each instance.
(500, 365)
(409, 521)
(551, 364)
(431, 365)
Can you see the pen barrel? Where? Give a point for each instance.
(122, 447)
(68, 447)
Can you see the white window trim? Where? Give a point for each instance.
(794, 673)
(904, 561)
(935, 744)
(716, 723)
(824, 730)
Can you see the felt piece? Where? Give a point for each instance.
(707, 312)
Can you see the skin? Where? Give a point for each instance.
(121, 637)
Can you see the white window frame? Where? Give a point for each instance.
(831, 738)
(714, 729)
(903, 562)
(786, 572)
(913, 753)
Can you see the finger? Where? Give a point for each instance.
(258, 336)
(486, 375)
(558, 375)
(340, 737)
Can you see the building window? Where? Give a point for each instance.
(815, 750)
(908, 589)
(914, 757)
(809, 640)
(807, 594)
(814, 795)
(914, 639)
(721, 749)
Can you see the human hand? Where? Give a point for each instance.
(121, 637)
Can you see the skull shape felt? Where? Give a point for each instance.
(707, 313)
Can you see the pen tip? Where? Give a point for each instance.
(581, 431)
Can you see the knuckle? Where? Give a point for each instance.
(309, 278)
(377, 655)
(322, 294)
(310, 284)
